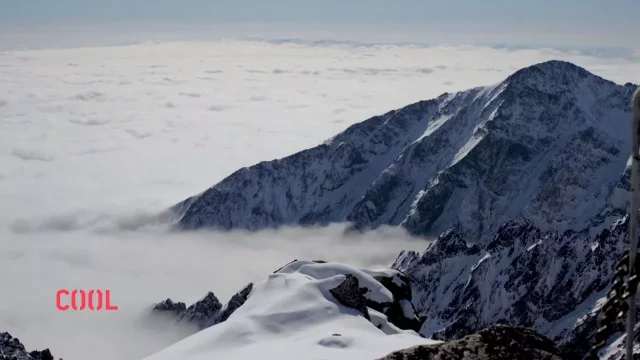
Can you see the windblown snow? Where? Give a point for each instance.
(292, 315)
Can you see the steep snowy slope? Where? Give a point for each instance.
(297, 314)
(549, 143)
(551, 281)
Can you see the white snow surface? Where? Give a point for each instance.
(377, 292)
(292, 315)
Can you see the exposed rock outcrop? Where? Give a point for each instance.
(203, 312)
(12, 349)
(495, 343)
(385, 291)
(350, 294)
(234, 303)
(207, 311)
(170, 307)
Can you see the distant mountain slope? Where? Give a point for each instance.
(547, 280)
(549, 143)
(524, 276)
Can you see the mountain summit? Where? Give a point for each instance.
(548, 144)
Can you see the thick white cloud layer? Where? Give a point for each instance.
(150, 124)
(93, 140)
(144, 267)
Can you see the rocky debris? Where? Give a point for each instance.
(349, 294)
(207, 311)
(498, 342)
(12, 349)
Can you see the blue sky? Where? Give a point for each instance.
(555, 23)
(576, 13)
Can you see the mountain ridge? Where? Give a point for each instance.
(552, 283)
(469, 160)
(336, 311)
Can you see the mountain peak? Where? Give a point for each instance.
(558, 64)
(552, 71)
(554, 65)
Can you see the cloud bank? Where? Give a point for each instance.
(149, 124)
(94, 141)
(148, 265)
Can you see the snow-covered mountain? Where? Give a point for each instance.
(318, 310)
(549, 143)
(526, 183)
(548, 280)
(307, 310)
(552, 282)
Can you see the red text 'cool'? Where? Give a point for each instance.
(79, 300)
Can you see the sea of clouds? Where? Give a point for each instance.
(148, 265)
(95, 141)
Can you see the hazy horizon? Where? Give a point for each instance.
(569, 24)
(72, 34)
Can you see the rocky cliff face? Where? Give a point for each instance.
(549, 144)
(207, 311)
(547, 280)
